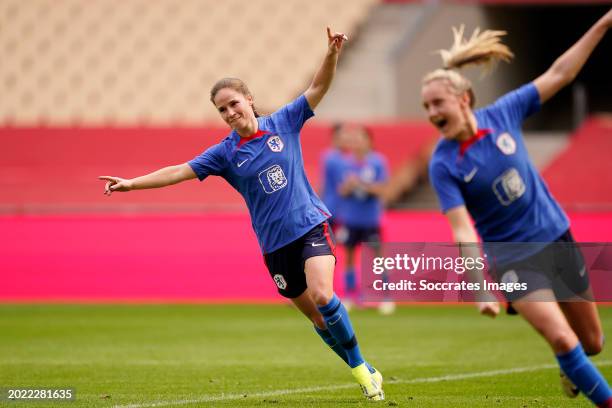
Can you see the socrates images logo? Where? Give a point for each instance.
(280, 281)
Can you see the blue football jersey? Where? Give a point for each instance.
(495, 179)
(333, 162)
(360, 209)
(267, 169)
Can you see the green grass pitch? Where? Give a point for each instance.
(268, 356)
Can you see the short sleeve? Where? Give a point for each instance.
(293, 115)
(211, 162)
(519, 104)
(447, 189)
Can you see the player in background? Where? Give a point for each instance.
(364, 180)
(262, 159)
(480, 170)
(332, 163)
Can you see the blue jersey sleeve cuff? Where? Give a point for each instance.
(197, 169)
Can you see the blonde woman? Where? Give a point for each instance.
(481, 171)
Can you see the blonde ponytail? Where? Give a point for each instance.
(483, 48)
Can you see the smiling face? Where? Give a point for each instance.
(446, 110)
(235, 108)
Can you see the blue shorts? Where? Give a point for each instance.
(352, 236)
(559, 266)
(286, 264)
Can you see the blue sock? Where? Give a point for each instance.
(333, 344)
(350, 280)
(578, 368)
(339, 325)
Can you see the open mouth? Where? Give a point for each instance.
(439, 122)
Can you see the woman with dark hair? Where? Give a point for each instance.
(262, 159)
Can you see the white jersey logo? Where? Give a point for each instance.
(280, 281)
(468, 177)
(506, 144)
(367, 174)
(241, 163)
(509, 186)
(272, 179)
(510, 277)
(275, 143)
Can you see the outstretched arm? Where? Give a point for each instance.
(464, 233)
(325, 74)
(567, 66)
(160, 178)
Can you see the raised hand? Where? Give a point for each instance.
(115, 184)
(335, 41)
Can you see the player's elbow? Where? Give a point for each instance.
(562, 74)
(464, 235)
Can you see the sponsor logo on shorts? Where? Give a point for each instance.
(510, 277)
(275, 143)
(280, 281)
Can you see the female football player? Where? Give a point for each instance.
(363, 183)
(262, 159)
(480, 170)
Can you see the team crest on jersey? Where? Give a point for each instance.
(281, 283)
(275, 143)
(367, 174)
(509, 186)
(506, 144)
(272, 179)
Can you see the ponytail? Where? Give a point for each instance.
(484, 49)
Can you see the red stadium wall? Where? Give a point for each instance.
(54, 170)
(581, 176)
(198, 254)
(178, 258)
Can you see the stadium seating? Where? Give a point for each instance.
(153, 62)
(581, 176)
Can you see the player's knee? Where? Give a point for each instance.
(321, 296)
(562, 341)
(593, 345)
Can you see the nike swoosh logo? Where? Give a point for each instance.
(242, 162)
(316, 245)
(468, 177)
